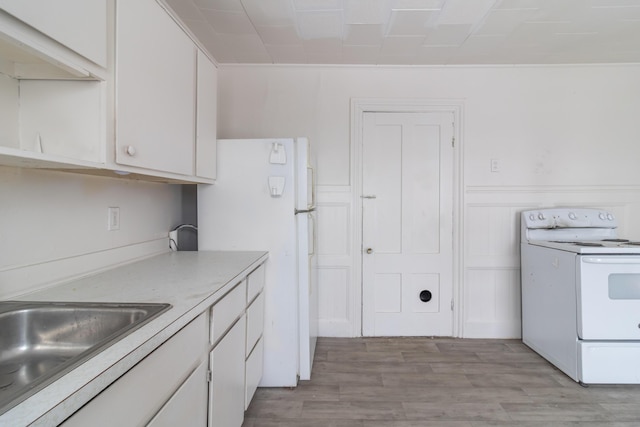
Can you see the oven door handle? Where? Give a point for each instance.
(614, 259)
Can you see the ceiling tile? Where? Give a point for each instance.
(360, 54)
(613, 3)
(274, 35)
(517, 4)
(402, 45)
(212, 41)
(536, 32)
(228, 5)
(320, 25)
(448, 34)
(323, 46)
(366, 12)
(432, 55)
(287, 54)
(397, 60)
(186, 9)
(482, 44)
(225, 22)
(504, 21)
(324, 58)
(310, 5)
(272, 12)
(565, 10)
(247, 48)
(410, 23)
(417, 4)
(363, 34)
(626, 12)
(464, 11)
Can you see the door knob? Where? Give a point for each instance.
(369, 250)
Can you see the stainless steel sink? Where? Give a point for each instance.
(41, 341)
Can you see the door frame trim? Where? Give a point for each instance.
(359, 106)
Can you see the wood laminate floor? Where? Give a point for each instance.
(441, 382)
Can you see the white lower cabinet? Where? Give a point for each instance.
(253, 372)
(188, 406)
(204, 375)
(226, 391)
(136, 397)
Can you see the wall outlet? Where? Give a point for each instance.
(113, 214)
(495, 165)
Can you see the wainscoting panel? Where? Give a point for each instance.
(492, 302)
(334, 304)
(336, 286)
(491, 258)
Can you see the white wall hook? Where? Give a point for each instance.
(276, 185)
(278, 154)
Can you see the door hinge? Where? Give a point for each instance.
(451, 305)
(453, 136)
(209, 376)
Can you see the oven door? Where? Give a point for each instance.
(608, 290)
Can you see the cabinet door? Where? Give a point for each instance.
(155, 89)
(138, 395)
(80, 25)
(227, 394)
(207, 111)
(253, 372)
(188, 406)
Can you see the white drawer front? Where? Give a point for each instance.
(255, 322)
(189, 402)
(255, 282)
(253, 373)
(140, 392)
(227, 310)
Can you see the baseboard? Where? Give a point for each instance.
(496, 330)
(335, 328)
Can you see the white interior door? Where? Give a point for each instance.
(407, 224)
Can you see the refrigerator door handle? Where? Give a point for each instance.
(313, 186)
(299, 211)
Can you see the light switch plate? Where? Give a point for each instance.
(113, 218)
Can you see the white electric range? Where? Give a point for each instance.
(581, 294)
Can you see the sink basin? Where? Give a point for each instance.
(41, 341)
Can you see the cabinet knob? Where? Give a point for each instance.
(131, 150)
(369, 250)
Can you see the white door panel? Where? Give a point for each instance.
(408, 225)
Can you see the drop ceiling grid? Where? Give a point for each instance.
(409, 32)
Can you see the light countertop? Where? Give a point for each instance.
(189, 281)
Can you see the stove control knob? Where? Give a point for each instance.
(610, 217)
(572, 216)
(541, 216)
(532, 217)
(602, 216)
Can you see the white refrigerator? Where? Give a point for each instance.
(264, 199)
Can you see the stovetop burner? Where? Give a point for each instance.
(594, 244)
(616, 240)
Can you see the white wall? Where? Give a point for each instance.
(54, 225)
(563, 135)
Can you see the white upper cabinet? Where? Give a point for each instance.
(105, 87)
(155, 89)
(80, 25)
(206, 117)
